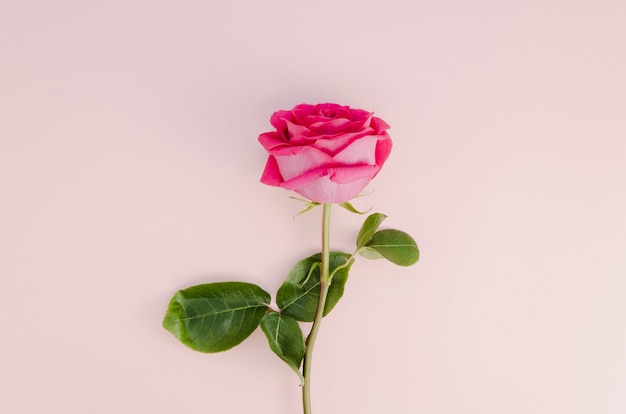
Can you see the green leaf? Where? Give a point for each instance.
(351, 208)
(217, 316)
(298, 296)
(285, 339)
(395, 246)
(370, 253)
(369, 227)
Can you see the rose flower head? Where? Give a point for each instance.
(327, 153)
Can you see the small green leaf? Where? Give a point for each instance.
(351, 208)
(369, 253)
(285, 339)
(395, 246)
(298, 296)
(217, 316)
(369, 227)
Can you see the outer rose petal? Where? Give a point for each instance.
(278, 119)
(271, 140)
(339, 175)
(346, 175)
(383, 149)
(323, 190)
(299, 160)
(379, 125)
(271, 175)
(304, 179)
(332, 185)
(360, 151)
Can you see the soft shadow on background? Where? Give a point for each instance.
(129, 169)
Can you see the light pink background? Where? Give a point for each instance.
(129, 169)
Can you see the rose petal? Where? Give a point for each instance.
(344, 175)
(300, 112)
(271, 140)
(271, 174)
(301, 140)
(335, 143)
(296, 131)
(383, 149)
(379, 125)
(329, 126)
(323, 190)
(295, 161)
(360, 114)
(360, 151)
(332, 110)
(360, 124)
(304, 179)
(277, 119)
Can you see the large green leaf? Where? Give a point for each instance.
(216, 316)
(369, 227)
(395, 246)
(298, 296)
(285, 339)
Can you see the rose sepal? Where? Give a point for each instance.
(348, 206)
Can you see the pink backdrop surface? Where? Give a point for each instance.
(129, 169)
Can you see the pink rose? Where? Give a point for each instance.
(327, 153)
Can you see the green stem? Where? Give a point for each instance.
(319, 312)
